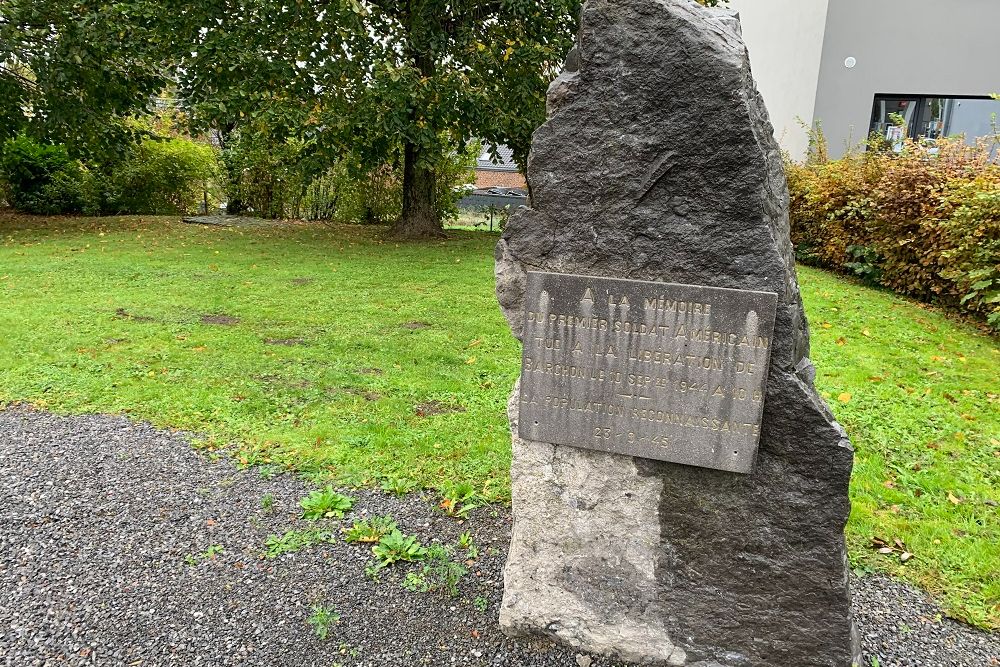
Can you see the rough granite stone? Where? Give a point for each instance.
(658, 162)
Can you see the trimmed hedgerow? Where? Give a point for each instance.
(924, 221)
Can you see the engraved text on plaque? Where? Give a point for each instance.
(657, 370)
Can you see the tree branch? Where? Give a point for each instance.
(32, 84)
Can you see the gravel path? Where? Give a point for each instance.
(107, 531)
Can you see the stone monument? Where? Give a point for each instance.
(679, 488)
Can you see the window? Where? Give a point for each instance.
(932, 117)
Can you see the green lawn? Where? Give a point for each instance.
(329, 351)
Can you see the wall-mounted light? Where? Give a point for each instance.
(850, 62)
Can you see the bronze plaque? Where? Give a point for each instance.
(662, 371)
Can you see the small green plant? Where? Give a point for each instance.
(481, 603)
(347, 649)
(459, 499)
(447, 576)
(212, 551)
(372, 571)
(209, 553)
(370, 530)
(415, 582)
(325, 504)
(399, 486)
(466, 542)
(439, 552)
(438, 573)
(321, 619)
(293, 540)
(267, 502)
(397, 546)
(876, 663)
(268, 471)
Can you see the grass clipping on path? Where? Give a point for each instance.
(359, 361)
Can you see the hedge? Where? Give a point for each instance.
(164, 176)
(924, 222)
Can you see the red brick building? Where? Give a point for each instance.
(498, 174)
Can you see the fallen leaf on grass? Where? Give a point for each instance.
(844, 397)
(905, 556)
(953, 499)
(841, 341)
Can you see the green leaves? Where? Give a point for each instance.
(325, 504)
(370, 530)
(397, 546)
(75, 77)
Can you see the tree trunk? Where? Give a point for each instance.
(420, 217)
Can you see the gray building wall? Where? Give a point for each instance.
(918, 47)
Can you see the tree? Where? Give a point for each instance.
(386, 80)
(70, 72)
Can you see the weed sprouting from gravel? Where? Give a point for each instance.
(321, 619)
(293, 540)
(439, 573)
(460, 498)
(267, 503)
(466, 542)
(370, 530)
(399, 486)
(325, 504)
(397, 546)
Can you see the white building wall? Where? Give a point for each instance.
(907, 47)
(785, 40)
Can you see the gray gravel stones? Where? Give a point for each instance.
(101, 518)
(903, 629)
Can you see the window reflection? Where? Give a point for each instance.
(924, 117)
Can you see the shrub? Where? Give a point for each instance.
(160, 176)
(924, 222)
(43, 178)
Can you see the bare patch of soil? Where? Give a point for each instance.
(355, 391)
(302, 281)
(416, 325)
(371, 371)
(431, 408)
(123, 314)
